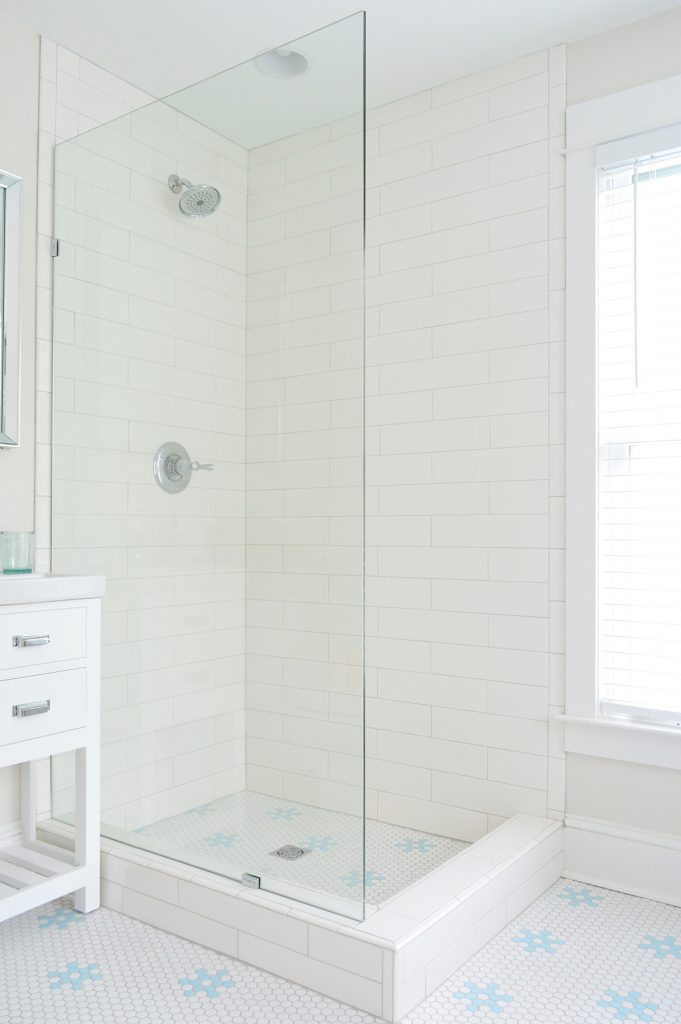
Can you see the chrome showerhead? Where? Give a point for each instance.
(195, 200)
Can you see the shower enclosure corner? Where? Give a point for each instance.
(208, 460)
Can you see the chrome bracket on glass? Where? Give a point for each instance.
(251, 881)
(173, 467)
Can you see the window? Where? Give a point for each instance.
(638, 364)
(623, 426)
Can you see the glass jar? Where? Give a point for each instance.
(16, 552)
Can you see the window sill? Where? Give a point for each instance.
(636, 742)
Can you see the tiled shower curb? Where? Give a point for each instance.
(385, 966)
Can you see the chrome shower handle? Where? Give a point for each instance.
(173, 467)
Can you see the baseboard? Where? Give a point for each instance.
(640, 863)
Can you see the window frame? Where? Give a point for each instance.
(601, 131)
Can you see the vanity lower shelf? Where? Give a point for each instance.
(35, 873)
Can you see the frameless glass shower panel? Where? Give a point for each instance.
(304, 475)
(149, 335)
(208, 459)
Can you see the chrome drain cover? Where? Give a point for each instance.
(289, 852)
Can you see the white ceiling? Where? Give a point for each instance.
(163, 45)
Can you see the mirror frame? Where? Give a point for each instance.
(10, 337)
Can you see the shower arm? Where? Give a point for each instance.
(176, 183)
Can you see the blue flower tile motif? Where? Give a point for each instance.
(478, 997)
(581, 897)
(662, 948)
(201, 810)
(354, 879)
(283, 813)
(534, 941)
(212, 985)
(222, 840)
(321, 843)
(60, 918)
(420, 844)
(74, 975)
(628, 1006)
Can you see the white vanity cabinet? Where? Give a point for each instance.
(49, 704)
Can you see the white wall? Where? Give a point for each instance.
(642, 51)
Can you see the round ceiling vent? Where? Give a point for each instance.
(282, 63)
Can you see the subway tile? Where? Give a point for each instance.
(456, 180)
(519, 162)
(434, 626)
(491, 464)
(495, 399)
(486, 730)
(431, 123)
(525, 94)
(429, 816)
(490, 531)
(433, 374)
(436, 247)
(395, 166)
(347, 953)
(443, 435)
(435, 499)
(489, 203)
(491, 663)
(303, 970)
(508, 331)
(506, 265)
(494, 138)
(482, 81)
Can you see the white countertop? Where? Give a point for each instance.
(35, 588)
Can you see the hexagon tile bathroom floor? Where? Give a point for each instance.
(579, 955)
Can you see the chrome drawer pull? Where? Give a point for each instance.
(38, 707)
(31, 641)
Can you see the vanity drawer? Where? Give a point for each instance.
(38, 638)
(41, 705)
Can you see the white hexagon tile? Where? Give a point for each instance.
(579, 955)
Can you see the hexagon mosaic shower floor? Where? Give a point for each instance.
(579, 955)
(241, 830)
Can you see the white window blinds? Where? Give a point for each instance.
(639, 398)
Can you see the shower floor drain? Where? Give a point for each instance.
(289, 852)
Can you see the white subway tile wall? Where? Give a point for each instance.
(465, 345)
(304, 470)
(149, 346)
(465, 442)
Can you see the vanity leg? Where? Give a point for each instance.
(28, 800)
(87, 825)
